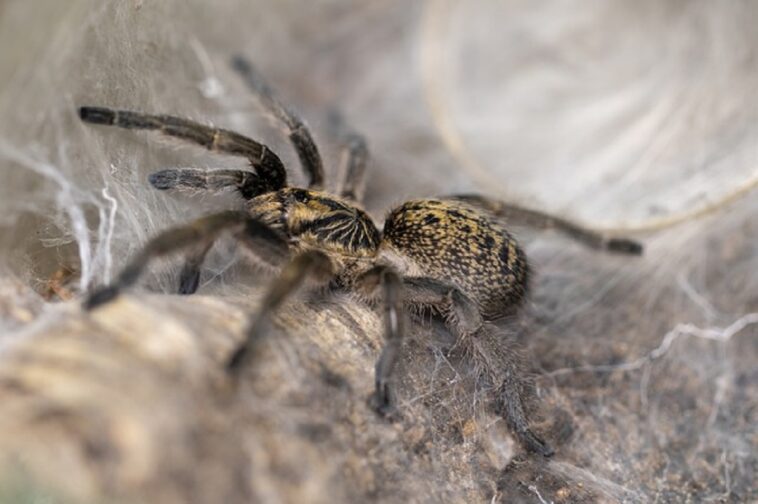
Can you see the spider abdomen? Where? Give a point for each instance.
(453, 242)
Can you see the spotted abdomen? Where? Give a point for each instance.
(454, 242)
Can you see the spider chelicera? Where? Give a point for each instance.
(453, 255)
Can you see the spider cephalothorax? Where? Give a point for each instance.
(453, 255)
(318, 219)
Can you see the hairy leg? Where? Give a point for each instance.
(294, 127)
(539, 220)
(247, 183)
(394, 331)
(462, 315)
(311, 263)
(189, 278)
(464, 320)
(199, 234)
(482, 345)
(498, 361)
(269, 168)
(354, 157)
(511, 393)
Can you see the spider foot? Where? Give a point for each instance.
(100, 296)
(165, 179)
(624, 246)
(382, 403)
(97, 115)
(189, 282)
(535, 444)
(237, 361)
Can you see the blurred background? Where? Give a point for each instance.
(633, 117)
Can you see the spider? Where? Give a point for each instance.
(453, 255)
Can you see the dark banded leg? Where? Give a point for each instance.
(480, 344)
(189, 278)
(354, 158)
(247, 183)
(294, 127)
(485, 348)
(512, 408)
(394, 332)
(269, 248)
(200, 233)
(498, 360)
(461, 313)
(269, 168)
(311, 263)
(536, 219)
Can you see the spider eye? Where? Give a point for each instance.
(301, 196)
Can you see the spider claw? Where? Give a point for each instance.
(535, 444)
(189, 282)
(381, 402)
(388, 412)
(100, 296)
(240, 63)
(236, 361)
(164, 179)
(97, 115)
(624, 246)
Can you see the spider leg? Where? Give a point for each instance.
(485, 348)
(310, 263)
(492, 357)
(294, 127)
(511, 393)
(268, 166)
(354, 158)
(533, 218)
(462, 315)
(189, 278)
(463, 318)
(200, 233)
(247, 183)
(269, 247)
(394, 331)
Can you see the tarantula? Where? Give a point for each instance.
(453, 255)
